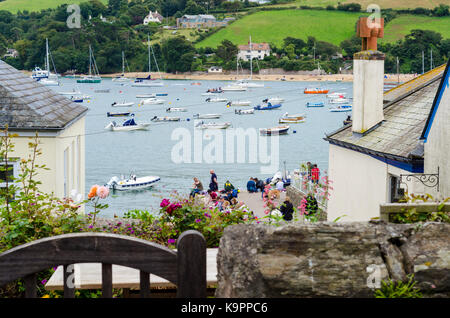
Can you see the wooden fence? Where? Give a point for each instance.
(186, 267)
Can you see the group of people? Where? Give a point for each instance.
(224, 198)
(254, 184)
(313, 172)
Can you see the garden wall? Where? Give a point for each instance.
(332, 259)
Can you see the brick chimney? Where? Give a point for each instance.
(368, 77)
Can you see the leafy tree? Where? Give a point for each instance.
(193, 8)
(351, 46)
(178, 54)
(227, 50)
(441, 11)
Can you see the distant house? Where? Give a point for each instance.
(257, 51)
(27, 107)
(215, 69)
(154, 17)
(199, 21)
(11, 53)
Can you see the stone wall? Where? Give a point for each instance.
(296, 196)
(331, 259)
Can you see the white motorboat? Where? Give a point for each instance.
(339, 101)
(246, 83)
(165, 118)
(71, 93)
(48, 82)
(288, 120)
(273, 100)
(203, 125)
(234, 88)
(132, 183)
(341, 108)
(176, 109)
(215, 100)
(124, 104)
(128, 125)
(146, 95)
(39, 73)
(239, 103)
(336, 95)
(244, 111)
(279, 130)
(207, 116)
(286, 115)
(152, 101)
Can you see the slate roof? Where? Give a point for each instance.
(398, 136)
(255, 47)
(26, 104)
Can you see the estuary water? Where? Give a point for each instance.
(177, 152)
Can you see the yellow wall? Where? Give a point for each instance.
(53, 148)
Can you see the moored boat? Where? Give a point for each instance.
(319, 104)
(132, 183)
(339, 101)
(279, 130)
(203, 125)
(234, 88)
(124, 104)
(123, 114)
(239, 103)
(165, 118)
(207, 116)
(341, 108)
(294, 119)
(267, 106)
(152, 101)
(176, 109)
(215, 99)
(128, 125)
(315, 91)
(244, 111)
(273, 100)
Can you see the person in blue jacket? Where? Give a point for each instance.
(251, 186)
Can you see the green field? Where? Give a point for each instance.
(36, 5)
(274, 26)
(401, 26)
(384, 4)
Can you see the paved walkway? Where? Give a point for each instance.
(255, 202)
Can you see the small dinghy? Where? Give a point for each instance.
(146, 95)
(280, 130)
(292, 119)
(239, 103)
(207, 116)
(132, 183)
(203, 125)
(273, 100)
(213, 91)
(244, 111)
(341, 108)
(76, 99)
(125, 114)
(336, 95)
(128, 125)
(315, 91)
(320, 104)
(215, 99)
(124, 104)
(152, 101)
(339, 101)
(70, 93)
(102, 90)
(166, 118)
(267, 106)
(176, 109)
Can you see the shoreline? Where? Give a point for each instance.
(256, 77)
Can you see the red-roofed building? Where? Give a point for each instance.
(257, 51)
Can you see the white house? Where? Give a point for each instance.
(11, 53)
(394, 140)
(256, 51)
(153, 17)
(27, 107)
(215, 69)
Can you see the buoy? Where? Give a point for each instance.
(295, 131)
(188, 119)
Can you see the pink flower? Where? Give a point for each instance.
(164, 203)
(102, 192)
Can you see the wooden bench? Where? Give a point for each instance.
(185, 268)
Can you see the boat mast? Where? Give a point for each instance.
(251, 58)
(90, 60)
(149, 55)
(47, 61)
(123, 64)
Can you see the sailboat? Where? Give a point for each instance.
(47, 81)
(148, 81)
(247, 82)
(122, 77)
(91, 79)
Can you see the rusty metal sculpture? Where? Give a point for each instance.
(370, 30)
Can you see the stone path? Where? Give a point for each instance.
(255, 202)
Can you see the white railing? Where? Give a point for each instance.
(306, 186)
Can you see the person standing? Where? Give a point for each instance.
(287, 209)
(315, 174)
(213, 185)
(308, 168)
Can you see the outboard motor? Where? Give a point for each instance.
(112, 182)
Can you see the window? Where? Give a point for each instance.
(10, 172)
(395, 191)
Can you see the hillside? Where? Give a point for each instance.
(402, 25)
(329, 26)
(36, 5)
(274, 26)
(384, 4)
